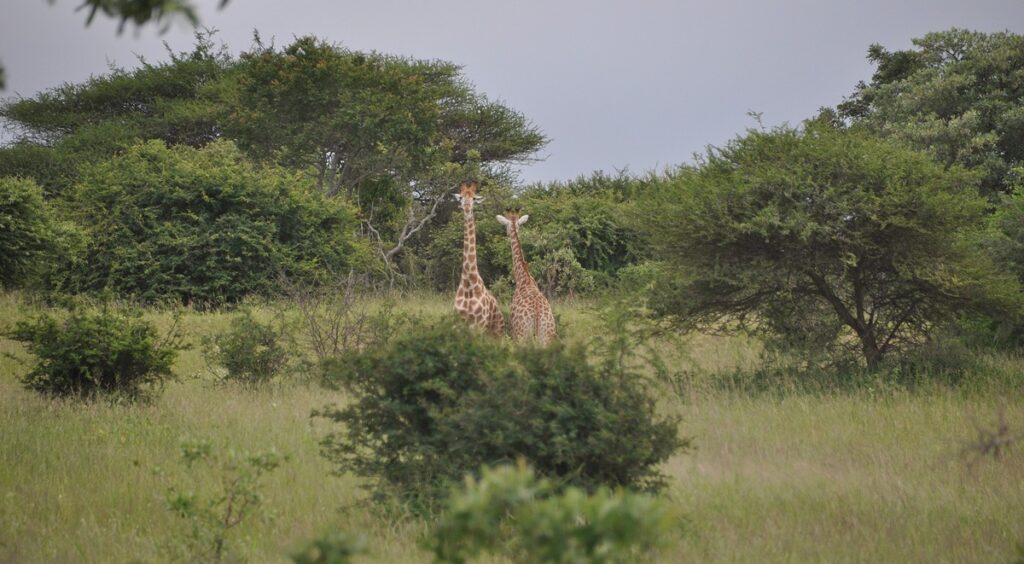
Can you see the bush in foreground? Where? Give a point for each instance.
(92, 353)
(509, 510)
(442, 401)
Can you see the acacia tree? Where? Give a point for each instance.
(825, 233)
(74, 124)
(394, 135)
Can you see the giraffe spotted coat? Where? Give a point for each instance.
(530, 316)
(472, 300)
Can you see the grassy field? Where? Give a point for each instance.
(869, 475)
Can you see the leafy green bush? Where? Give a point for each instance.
(509, 510)
(26, 230)
(108, 352)
(440, 401)
(250, 351)
(203, 226)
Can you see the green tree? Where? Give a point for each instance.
(394, 135)
(833, 234)
(202, 225)
(956, 95)
(63, 128)
(360, 118)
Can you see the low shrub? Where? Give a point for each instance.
(510, 511)
(212, 517)
(251, 352)
(108, 351)
(441, 401)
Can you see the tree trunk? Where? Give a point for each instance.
(872, 353)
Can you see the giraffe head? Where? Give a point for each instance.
(512, 219)
(467, 192)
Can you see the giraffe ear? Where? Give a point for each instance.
(503, 220)
(522, 220)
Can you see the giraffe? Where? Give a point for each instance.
(472, 300)
(531, 313)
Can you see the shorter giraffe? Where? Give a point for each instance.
(531, 313)
(472, 300)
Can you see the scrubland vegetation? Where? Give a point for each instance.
(227, 326)
(834, 470)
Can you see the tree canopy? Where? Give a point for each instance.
(823, 234)
(202, 226)
(958, 95)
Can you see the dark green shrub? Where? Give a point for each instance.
(27, 230)
(580, 424)
(441, 401)
(251, 352)
(202, 226)
(91, 353)
(508, 510)
(402, 393)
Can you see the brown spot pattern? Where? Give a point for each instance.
(472, 299)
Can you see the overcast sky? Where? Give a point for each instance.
(641, 84)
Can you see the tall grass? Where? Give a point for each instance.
(862, 474)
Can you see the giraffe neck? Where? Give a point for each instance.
(470, 274)
(519, 268)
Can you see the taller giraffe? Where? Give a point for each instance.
(472, 300)
(531, 313)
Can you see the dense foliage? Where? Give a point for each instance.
(28, 230)
(508, 510)
(366, 122)
(390, 135)
(823, 233)
(202, 226)
(441, 401)
(956, 95)
(92, 353)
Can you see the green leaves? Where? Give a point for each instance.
(29, 233)
(956, 95)
(508, 510)
(202, 226)
(88, 354)
(786, 221)
(439, 401)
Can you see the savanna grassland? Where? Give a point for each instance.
(869, 472)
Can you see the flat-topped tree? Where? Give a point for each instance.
(822, 235)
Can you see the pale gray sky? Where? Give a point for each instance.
(640, 84)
